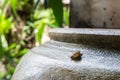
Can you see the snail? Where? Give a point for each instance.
(76, 56)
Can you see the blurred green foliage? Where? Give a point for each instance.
(11, 11)
(5, 23)
(57, 12)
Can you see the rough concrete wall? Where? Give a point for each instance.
(95, 13)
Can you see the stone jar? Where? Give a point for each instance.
(52, 60)
(95, 13)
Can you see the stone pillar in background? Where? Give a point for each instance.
(95, 14)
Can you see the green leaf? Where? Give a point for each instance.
(66, 16)
(57, 8)
(1, 53)
(13, 4)
(5, 24)
(22, 52)
(30, 24)
(40, 32)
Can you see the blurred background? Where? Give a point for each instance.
(24, 24)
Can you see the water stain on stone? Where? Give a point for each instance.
(104, 24)
(104, 8)
(76, 56)
(83, 24)
(112, 23)
(114, 12)
(110, 19)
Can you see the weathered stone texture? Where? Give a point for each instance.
(52, 60)
(95, 13)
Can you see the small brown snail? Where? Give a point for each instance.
(76, 56)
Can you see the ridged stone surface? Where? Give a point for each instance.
(52, 60)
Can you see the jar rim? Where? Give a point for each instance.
(86, 36)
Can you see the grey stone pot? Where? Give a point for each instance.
(52, 60)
